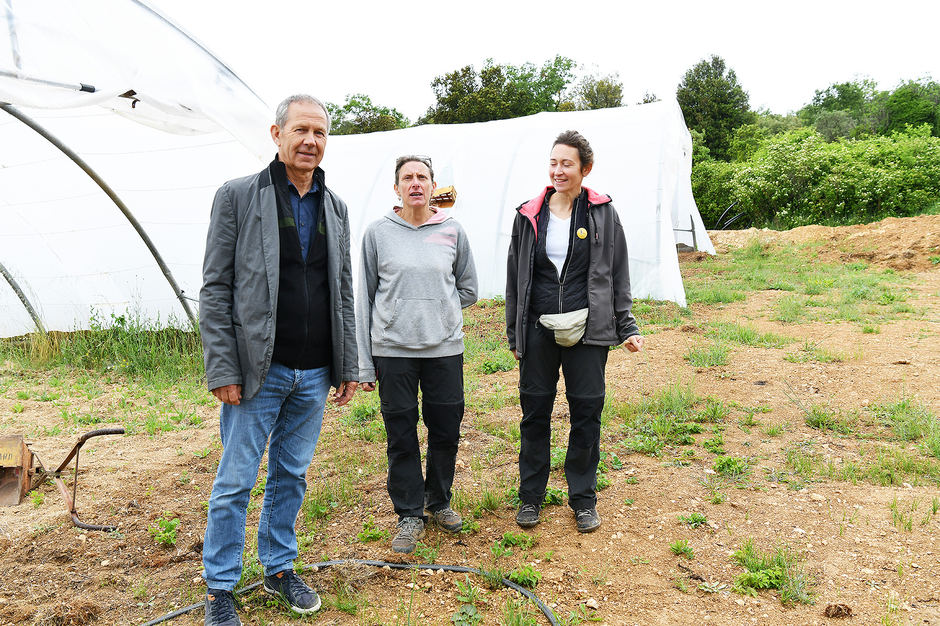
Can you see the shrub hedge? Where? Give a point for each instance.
(796, 178)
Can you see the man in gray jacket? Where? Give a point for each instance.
(278, 329)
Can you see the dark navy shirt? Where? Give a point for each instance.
(305, 214)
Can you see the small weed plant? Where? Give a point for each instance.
(371, 533)
(780, 569)
(520, 540)
(732, 467)
(693, 520)
(164, 529)
(525, 576)
(681, 547)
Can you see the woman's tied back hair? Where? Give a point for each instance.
(576, 140)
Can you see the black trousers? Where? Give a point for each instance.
(442, 406)
(583, 368)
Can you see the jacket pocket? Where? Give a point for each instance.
(418, 323)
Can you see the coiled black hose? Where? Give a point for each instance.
(448, 568)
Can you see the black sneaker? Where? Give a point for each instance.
(588, 520)
(410, 532)
(528, 515)
(220, 609)
(294, 590)
(448, 519)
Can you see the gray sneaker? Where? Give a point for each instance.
(293, 590)
(448, 519)
(528, 515)
(410, 532)
(588, 520)
(220, 609)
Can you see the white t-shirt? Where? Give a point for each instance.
(556, 241)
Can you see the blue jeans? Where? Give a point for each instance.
(289, 410)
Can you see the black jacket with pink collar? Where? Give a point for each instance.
(610, 321)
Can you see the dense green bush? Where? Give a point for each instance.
(796, 178)
(712, 189)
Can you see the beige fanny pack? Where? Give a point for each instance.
(569, 327)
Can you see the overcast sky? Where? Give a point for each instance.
(391, 51)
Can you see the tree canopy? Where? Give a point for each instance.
(874, 112)
(912, 104)
(595, 92)
(714, 104)
(359, 115)
(499, 91)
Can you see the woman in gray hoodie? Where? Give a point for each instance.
(417, 273)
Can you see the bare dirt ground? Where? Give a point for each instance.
(851, 547)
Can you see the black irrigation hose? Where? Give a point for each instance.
(449, 568)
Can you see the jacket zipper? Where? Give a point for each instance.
(571, 235)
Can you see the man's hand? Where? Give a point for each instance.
(344, 392)
(229, 394)
(515, 354)
(634, 343)
(367, 386)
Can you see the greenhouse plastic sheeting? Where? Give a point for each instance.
(86, 71)
(192, 124)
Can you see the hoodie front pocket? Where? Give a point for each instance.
(417, 323)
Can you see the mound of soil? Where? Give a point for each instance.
(910, 244)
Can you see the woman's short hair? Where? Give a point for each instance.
(409, 158)
(576, 140)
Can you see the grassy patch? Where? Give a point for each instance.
(811, 351)
(659, 313)
(908, 418)
(748, 336)
(714, 354)
(780, 569)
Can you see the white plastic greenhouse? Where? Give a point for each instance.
(167, 123)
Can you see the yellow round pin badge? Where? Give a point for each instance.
(582, 233)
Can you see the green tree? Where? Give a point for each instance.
(746, 141)
(598, 92)
(714, 103)
(833, 125)
(498, 91)
(853, 97)
(912, 104)
(358, 115)
(700, 151)
(774, 123)
(649, 98)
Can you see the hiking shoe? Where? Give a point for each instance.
(448, 519)
(220, 609)
(528, 515)
(292, 588)
(588, 520)
(410, 531)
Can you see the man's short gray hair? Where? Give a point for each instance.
(280, 116)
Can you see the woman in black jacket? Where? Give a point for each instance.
(568, 255)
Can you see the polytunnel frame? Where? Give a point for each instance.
(80, 162)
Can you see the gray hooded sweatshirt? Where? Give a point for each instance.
(413, 283)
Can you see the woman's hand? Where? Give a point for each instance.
(515, 354)
(634, 343)
(367, 386)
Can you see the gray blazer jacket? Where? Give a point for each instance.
(238, 299)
